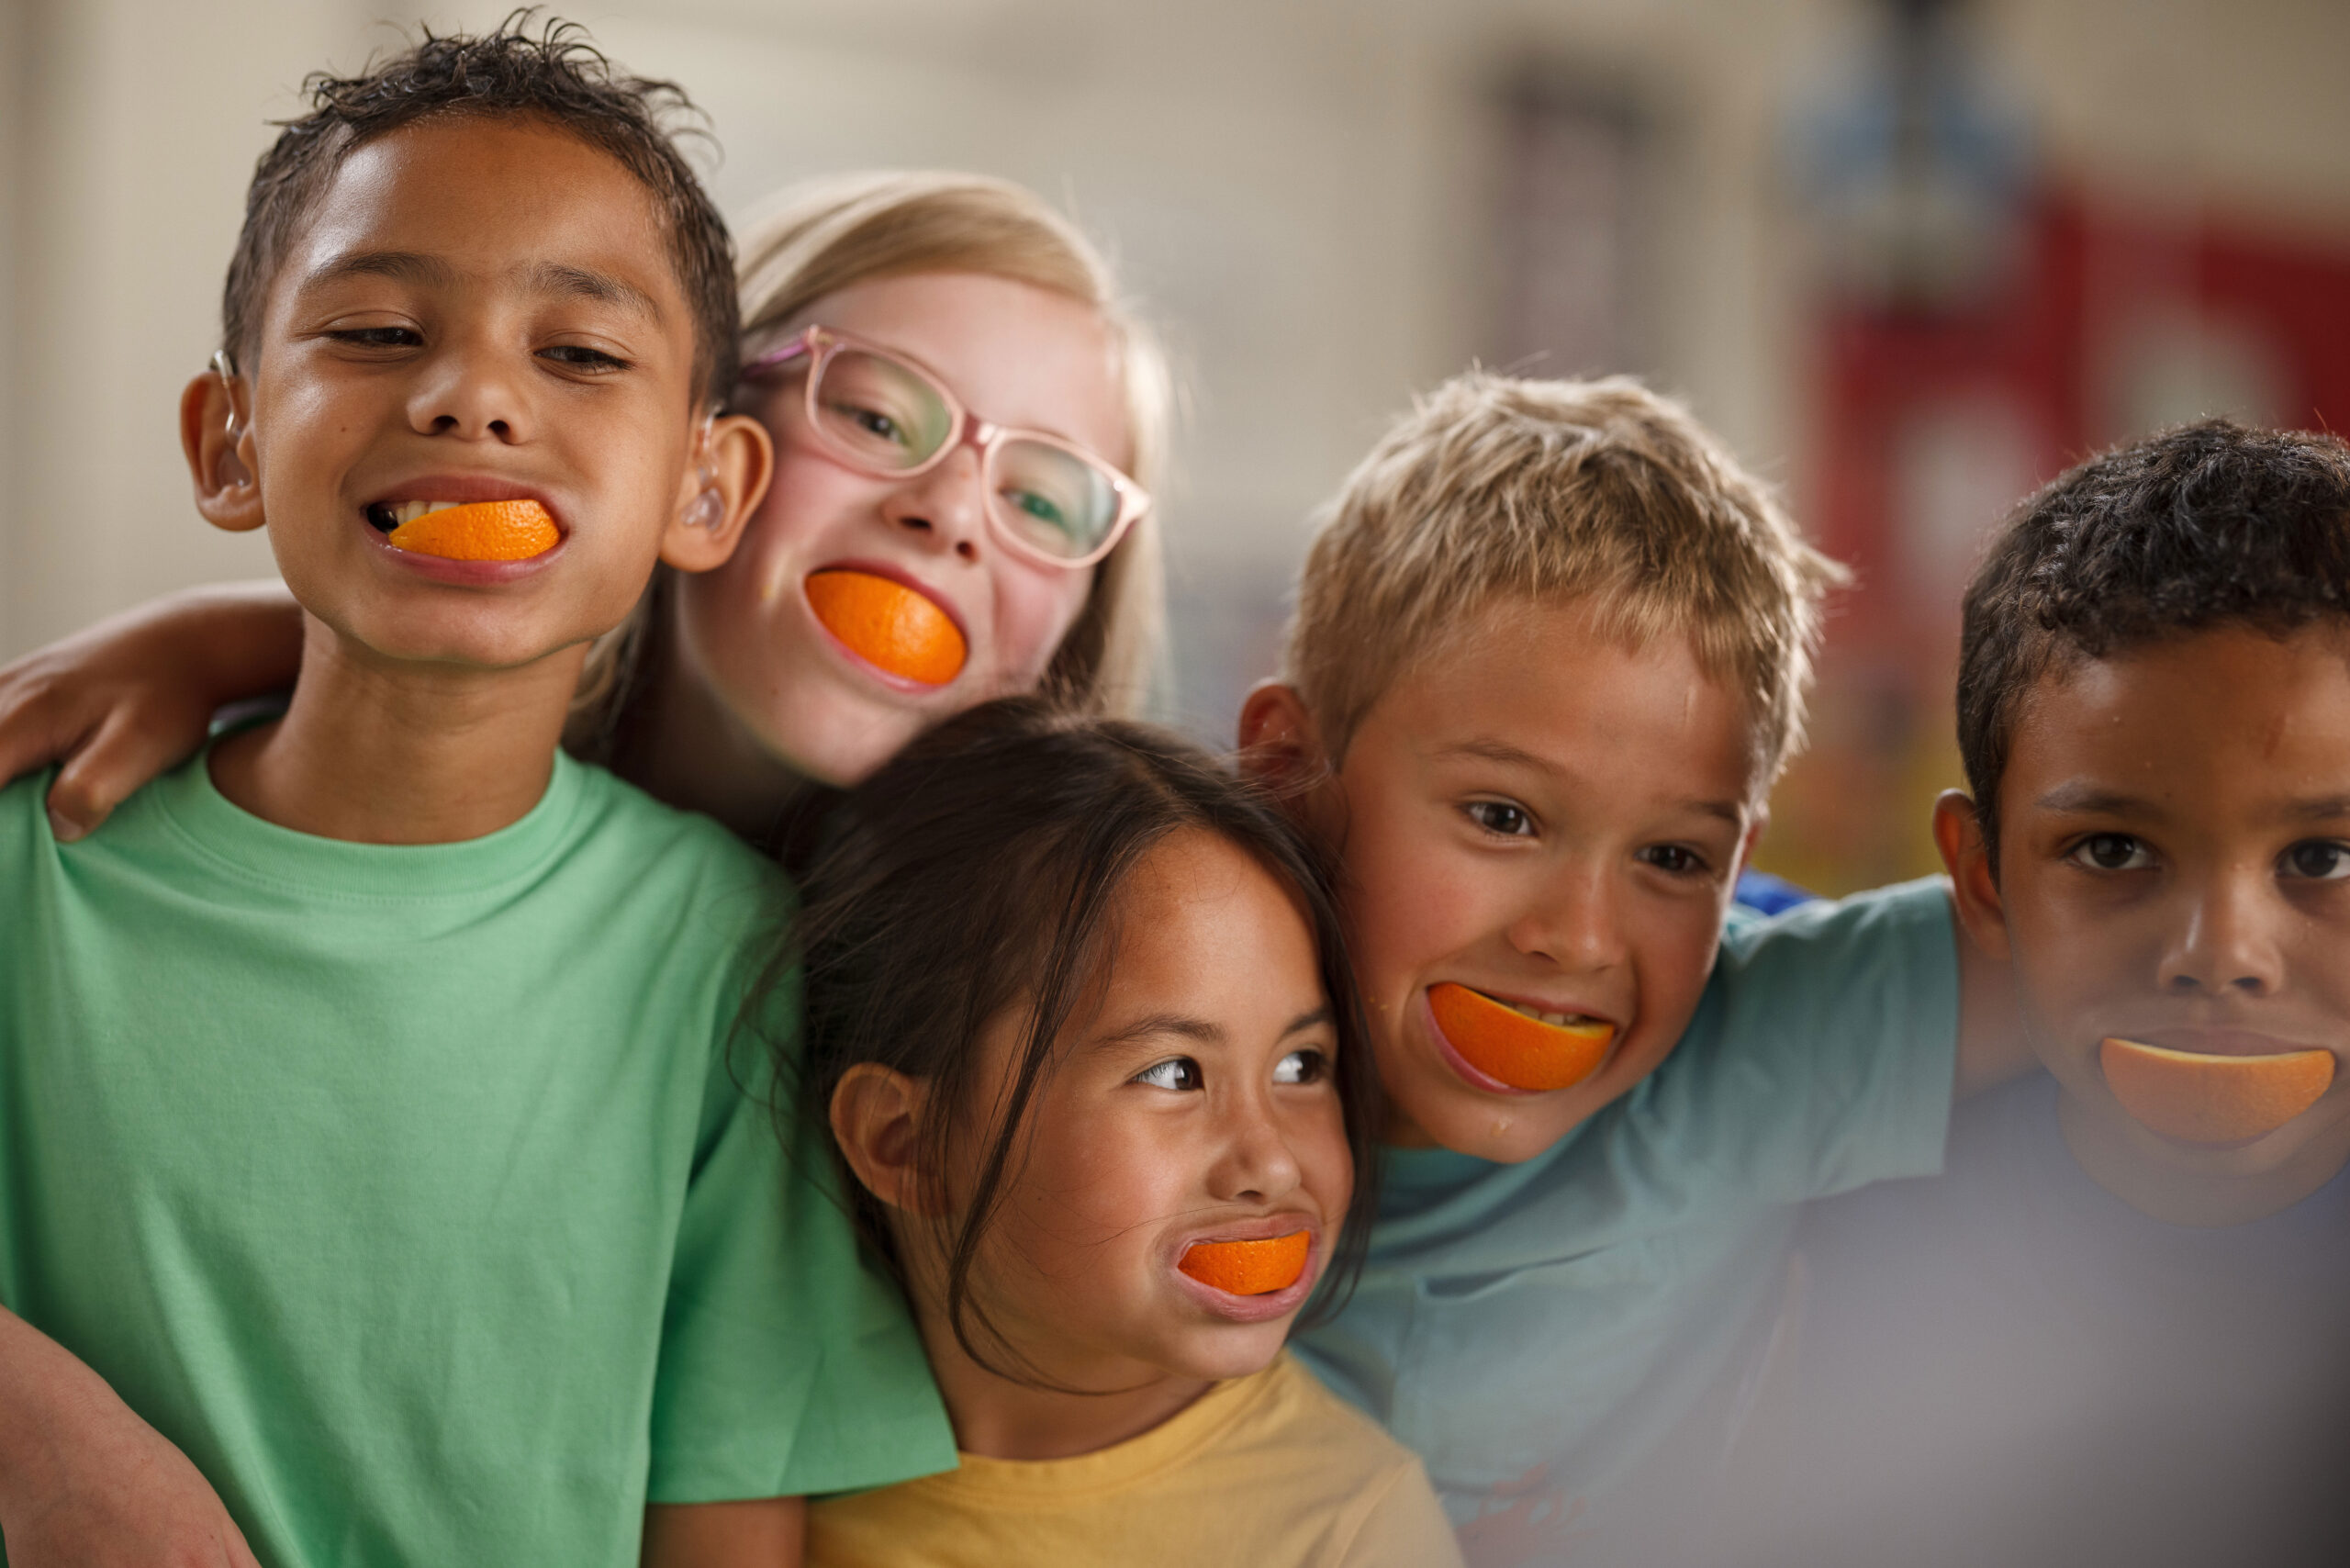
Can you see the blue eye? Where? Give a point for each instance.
(2112, 852)
(2317, 860)
(1179, 1073)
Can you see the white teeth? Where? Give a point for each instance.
(1556, 1019)
(408, 511)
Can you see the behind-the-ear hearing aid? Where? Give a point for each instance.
(224, 365)
(707, 509)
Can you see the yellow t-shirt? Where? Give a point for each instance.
(1272, 1470)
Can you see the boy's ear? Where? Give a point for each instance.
(1280, 743)
(1281, 747)
(1958, 833)
(216, 431)
(876, 1120)
(733, 460)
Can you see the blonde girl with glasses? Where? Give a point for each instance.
(969, 425)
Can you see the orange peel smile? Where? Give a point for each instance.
(1247, 1268)
(484, 530)
(1509, 1047)
(2196, 1098)
(888, 626)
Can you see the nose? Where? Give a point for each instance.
(2231, 941)
(946, 506)
(472, 392)
(1573, 919)
(1256, 1163)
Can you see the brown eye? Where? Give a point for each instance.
(1302, 1067)
(2113, 852)
(1501, 817)
(2318, 861)
(1179, 1073)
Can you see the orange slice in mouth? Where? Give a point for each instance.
(484, 530)
(2196, 1098)
(1507, 1045)
(1247, 1268)
(888, 626)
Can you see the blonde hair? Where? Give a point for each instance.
(826, 235)
(1601, 491)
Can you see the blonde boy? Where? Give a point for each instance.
(1551, 651)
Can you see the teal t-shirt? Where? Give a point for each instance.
(1534, 1331)
(414, 1191)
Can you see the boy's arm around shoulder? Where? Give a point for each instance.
(127, 699)
(85, 1484)
(1824, 1053)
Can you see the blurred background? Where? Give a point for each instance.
(1911, 257)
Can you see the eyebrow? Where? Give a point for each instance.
(546, 277)
(2085, 799)
(553, 277)
(1207, 1033)
(1511, 756)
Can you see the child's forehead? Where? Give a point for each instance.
(1557, 670)
(475, 192)
(2228, 713)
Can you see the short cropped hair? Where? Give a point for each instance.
(553, 77)
(1496, 489)
(2211, 525)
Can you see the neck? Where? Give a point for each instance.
(698, 757)
(382, 751)
(1000, 1418)
(2115, 1160)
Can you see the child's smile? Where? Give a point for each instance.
(1198, 1105)
(2175, 871)
(1551, 821)
(1019, 354)
(464, 323)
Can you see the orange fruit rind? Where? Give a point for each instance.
(1510, 1048)
(888, 626)
(2197, 1097)
(482, 531)
(1247, 1268)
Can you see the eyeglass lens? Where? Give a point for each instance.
(891, 419)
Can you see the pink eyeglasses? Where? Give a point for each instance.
(882, 414)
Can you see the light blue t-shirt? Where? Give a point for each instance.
(1536, 1331)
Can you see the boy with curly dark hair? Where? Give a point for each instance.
(372, 1150)
(2113, 1331)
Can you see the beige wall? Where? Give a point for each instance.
(1300, 190)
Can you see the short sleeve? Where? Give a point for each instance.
(1404, 1527)
(787, 1365)
(1823, 1054)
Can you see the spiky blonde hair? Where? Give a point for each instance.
(1495, 489)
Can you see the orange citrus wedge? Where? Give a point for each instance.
(484, 530)
(1247, 1268)
(887, 624)
(1503, 1043)
(2197, 1097)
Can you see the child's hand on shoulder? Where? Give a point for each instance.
(127, 699)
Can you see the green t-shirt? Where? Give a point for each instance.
(414, 1191)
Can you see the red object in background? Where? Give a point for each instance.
(1932, 423)
(2108, 322)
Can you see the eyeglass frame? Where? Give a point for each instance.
(818, 344)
